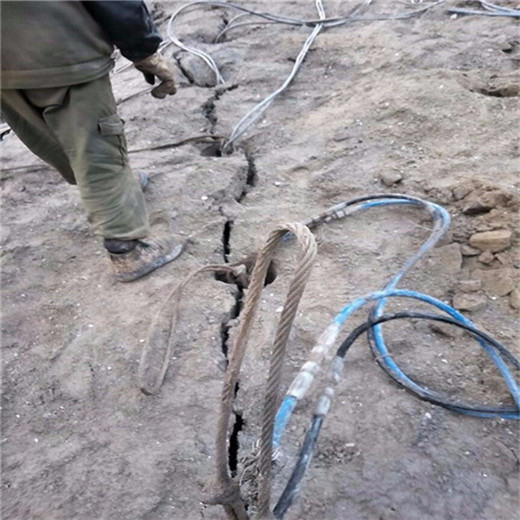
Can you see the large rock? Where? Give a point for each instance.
(197, 71)
(486, 202)
(497, 282)
(493, 241)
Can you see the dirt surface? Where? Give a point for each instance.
(427, 107)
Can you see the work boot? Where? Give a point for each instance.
(133, 259)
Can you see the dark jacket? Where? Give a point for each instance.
(60, 43)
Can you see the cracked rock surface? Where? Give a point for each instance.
(429, 100)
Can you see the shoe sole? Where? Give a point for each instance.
(152, 266)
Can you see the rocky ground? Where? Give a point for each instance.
(425, 106)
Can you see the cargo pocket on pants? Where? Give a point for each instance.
(114, 127)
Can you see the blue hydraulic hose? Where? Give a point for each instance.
(300, 385)
(441, 221)
(282, 417)
(376, 332)
(385, 358)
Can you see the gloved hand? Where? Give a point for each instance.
(158, 65)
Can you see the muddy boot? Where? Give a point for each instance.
(133, 259)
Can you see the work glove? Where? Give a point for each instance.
(158, 65)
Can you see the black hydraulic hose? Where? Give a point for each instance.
(304, 459)
(430, 396)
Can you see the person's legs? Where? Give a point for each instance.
(27, 123)
(87, 126)
(77, 130)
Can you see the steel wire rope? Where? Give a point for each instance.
(272, 397)
(228, 493)
(318, 24)
(153, 366)
(248, 120)
(489, 10)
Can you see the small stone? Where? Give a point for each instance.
(391, 178)
(514, 299)
(468, 302)
(486, 258)
(497, 282)
(459, 192)
(488, 201)
(474, 207)
(469, 251)
(503, 258)
(493, 241)
(342, 134)
(470, 285)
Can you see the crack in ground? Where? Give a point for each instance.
(225, 327)
(209, 107)
(226, 237)
(234, 444)
(185, 72)
(250, 181)
(252, 174)
(208, 111)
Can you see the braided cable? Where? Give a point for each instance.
(308, 253)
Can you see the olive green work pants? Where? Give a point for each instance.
(76, 130)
